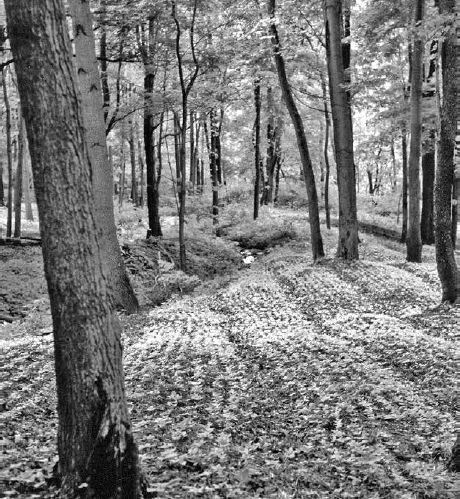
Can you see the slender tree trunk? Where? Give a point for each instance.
(394, 164)
(343, 133)
(454, 214)
(256, 149)
(132, 155)
(18, 179)
(9, 155)
(277, 180)
(309, 177)
(414, 239)
(212, 166)
(103, 61)
(140, 160)
(121, 190)
(2, 188)
(326, 153)
(426, 223)
(102, 175)
(404, 184)
(97, 453)
(192, 172)
(149, 139)
(445, 257)
(26, 188)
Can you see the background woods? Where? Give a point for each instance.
(258, 199)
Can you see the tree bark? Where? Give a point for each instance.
(343, 133)
(132, 155)
(2, 187)
(414, 239)
(18, 180)
(97, 452)
(307, 167)
(445, 257)
(148, 51)
(9, 156)
(255, 213)
(26, 188)
(426, 222)
(213, 168)
(102, 176)
(404, 184)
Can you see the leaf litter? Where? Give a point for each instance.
(293, 380)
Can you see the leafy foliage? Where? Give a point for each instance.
(327, 380)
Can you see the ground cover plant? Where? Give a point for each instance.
(286, 379)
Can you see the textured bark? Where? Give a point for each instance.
(132, 157)
(2, 188)
(103, 60)
(9, 156)
(404, 184)
(26, 188)
(426, 222)
(414, 238)
(326, 153)
(445, 258)
(274, 127)
(152, 181)
(95, 440)
(18, 179)
(307, 167)
(213, 168)
(102, 175)
(140, 160)
(255, 213)
(343, 134)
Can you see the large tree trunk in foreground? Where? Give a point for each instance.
(102, 175)
(343, 133)
(307, 167)
(445, 258)
(97, 453)
(414, 238)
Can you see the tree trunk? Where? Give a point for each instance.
(273, 146)
(2, 188)
(97, 453)
(103, 60)
(404, 184)
(213, 169)
(121, 190)
(426, 223)
(343, 133)
(394, 164)
(370, 182)
(445, 257)
(9, 155)
(309, 177)
(153, 205)
(326, 153)
(102, 175)
(18, 179)
(192, 172)
(26, 188)
(132, 155)
(414, 239)
(140, 160)
(454, 214)
(256, 149)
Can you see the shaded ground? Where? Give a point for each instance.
(293, 380)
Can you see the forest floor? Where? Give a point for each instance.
(284, 379)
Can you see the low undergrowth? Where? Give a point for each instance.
(295, 380)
